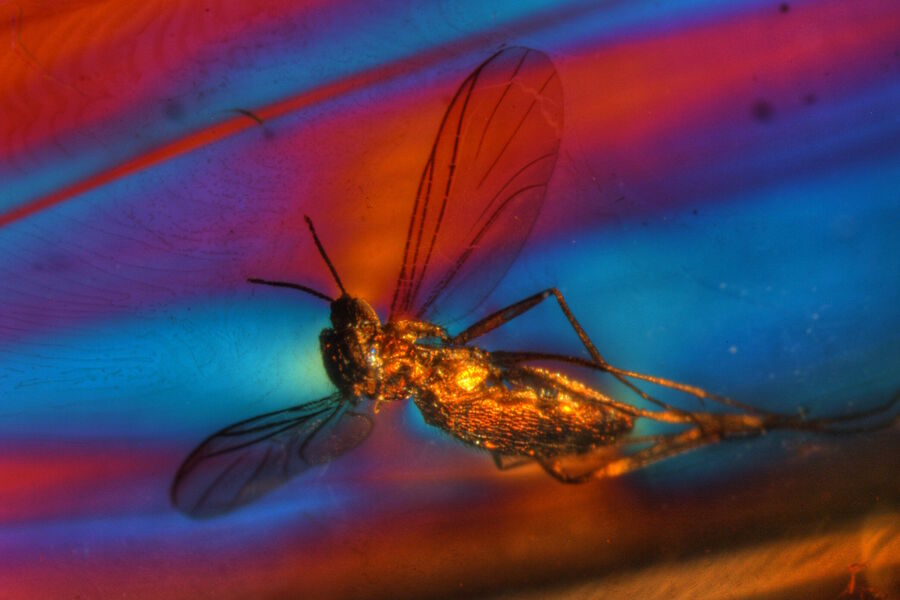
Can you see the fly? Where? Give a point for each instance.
(480, 193)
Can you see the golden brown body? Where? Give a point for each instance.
(479, 196)
(509, 410)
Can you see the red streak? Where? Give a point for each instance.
(201, 138)
(43, 482)
(653, 83)
(239, 123)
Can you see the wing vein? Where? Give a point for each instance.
(305, 444)
(256, 471)
(254, 441)
(505, 112)
(205, 495)
(451, 168)
(513, 134)
(511, 179)
(472, 245)
(401, 278)
(506, 89)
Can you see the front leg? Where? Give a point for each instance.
(512, 311)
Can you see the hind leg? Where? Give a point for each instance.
(505, 315)
(663, 447)
(505, 462)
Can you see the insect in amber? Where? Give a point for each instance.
(475, 206)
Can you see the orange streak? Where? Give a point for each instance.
(239, 123)
(196, 140)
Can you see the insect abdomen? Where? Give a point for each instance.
(510, 417)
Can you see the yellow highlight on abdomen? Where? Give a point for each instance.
(471, 377)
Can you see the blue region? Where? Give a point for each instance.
(783, 294)
(183, 371)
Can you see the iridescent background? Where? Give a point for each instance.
(724, 212)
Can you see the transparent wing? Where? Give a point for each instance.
(483, 185)
(242, 462)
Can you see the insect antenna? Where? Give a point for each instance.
(293, 286)
(303, 288)
(331, 268)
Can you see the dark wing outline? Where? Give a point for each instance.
(416, 258)
(244, 461)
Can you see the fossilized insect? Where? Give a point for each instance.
(479, 196)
